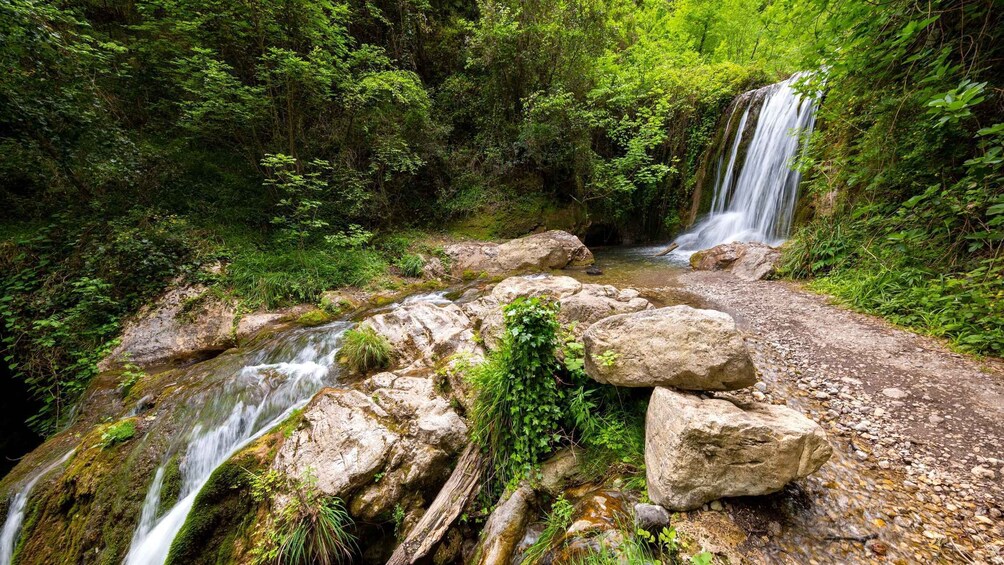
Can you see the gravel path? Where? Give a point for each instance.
(919, 464)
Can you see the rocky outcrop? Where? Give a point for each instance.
(581, 304)
(187, 322)
(748, 261)
(698, 450)
(543, 251)
(679, 346)
(374, 446)
(425, 333)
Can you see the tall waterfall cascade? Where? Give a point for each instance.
(756, 186)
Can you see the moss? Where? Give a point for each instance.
(222, 523)
(171, 488)
(223, 512)
(314, 317)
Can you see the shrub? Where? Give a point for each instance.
(365, 350)
(518, 408)
(411, 265)
(311, 529)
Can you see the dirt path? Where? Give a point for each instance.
(918, 429)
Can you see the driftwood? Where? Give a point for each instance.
(667, 250)
(444, 510)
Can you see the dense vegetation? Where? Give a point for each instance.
(908, 169)
(287, 141)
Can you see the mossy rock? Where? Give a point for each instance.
(314, 317)
(221, 526)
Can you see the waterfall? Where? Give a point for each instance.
(260, 396)
(15, 514)
(755, 201)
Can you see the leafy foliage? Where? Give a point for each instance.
(64, 289)
(917, 228)
(517, 410)
(117, 433)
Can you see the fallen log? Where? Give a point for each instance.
(449, 503)
(667, 250)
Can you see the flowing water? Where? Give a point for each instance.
(276, 380)
(756, 189)
(15, 515)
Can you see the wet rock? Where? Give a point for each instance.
(594, 271)
(393, 437)
(550, 250)
(504, 528)
(651, 517)
(748, 261)
(699, 450)
(424, 333)
(679, 346)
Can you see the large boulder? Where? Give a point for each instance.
(185, 322)
(698, 450)
(748, 261)
(678, 346)
(376, 445)
(581, 304)
(549, 250)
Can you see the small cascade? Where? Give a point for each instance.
(262, 393)
(15, 515)
(755, 185)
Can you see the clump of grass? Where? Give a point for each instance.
(365, 350)
(282, 276)
(311, 529)
(411, 265)
(318, 532)
(117, 433)
(558, 521)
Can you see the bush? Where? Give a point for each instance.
(365, 350)
(411, 265)
(64, 288)
(518, 408)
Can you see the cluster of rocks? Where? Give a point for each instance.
(748, 261)
(700, 448)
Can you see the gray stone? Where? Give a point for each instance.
(651, 517)
(679, 346)
(699, 450)
(549, 250)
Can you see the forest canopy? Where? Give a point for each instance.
(141, 140)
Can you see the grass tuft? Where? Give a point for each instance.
(365, 350)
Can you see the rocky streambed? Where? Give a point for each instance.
(185, 486)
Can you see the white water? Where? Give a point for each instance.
(15, 515)
(755, 201)
(259, 397)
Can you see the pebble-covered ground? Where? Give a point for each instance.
(918, 467)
